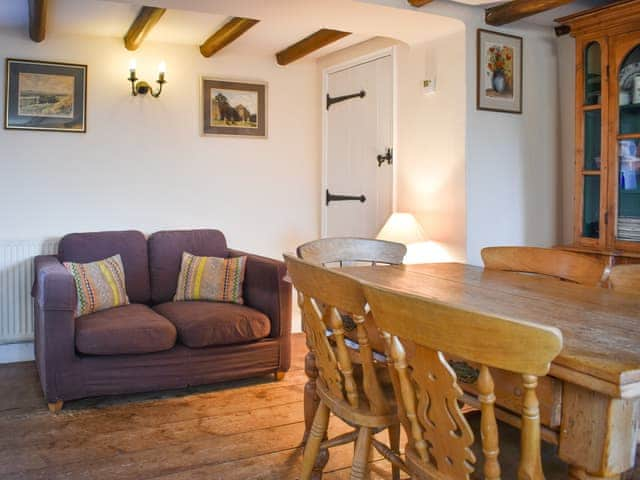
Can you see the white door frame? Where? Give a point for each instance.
(390, 51)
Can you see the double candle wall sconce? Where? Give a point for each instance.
(141, 87)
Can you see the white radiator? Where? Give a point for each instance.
(16, 278)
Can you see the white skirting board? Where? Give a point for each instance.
(16, 352)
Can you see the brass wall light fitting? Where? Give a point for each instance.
(141, 87)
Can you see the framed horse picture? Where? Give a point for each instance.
(234, 108)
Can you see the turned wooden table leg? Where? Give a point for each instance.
(311, 402)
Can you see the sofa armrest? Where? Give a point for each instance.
(266, 290)
(54, 295)
(54, 288)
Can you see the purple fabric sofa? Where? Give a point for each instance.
(155, 343)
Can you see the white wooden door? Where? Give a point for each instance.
(357, 131)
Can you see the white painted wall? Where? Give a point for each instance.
(513, 161)
(513, 183)
(431, 136)
(142, 163)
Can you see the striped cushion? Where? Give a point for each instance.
(210, 278)
(100, 285)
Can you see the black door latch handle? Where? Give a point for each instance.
(330, 197)
(388, 157)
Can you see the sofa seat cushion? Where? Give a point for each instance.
(124, 330)
(205, 324)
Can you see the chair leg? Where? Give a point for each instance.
(316, 435)
(394, 443)
(360, 465)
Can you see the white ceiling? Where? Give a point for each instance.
(283, 22)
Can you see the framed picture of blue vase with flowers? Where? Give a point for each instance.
(499, 72)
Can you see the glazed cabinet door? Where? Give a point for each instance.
(591, 149)
(624, 142)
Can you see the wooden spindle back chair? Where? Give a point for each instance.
(625, 278)
(420, 332)
(569, 266)
(360, 400)
(343, 250)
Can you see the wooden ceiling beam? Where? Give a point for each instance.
(141, 26)
(228, 33)
(518, 9)
(38, 19)
(313, 42)
(419, 3)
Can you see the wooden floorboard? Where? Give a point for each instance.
(248, 429)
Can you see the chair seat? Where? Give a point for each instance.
(205, 324)
(129, 329)
(361, 416)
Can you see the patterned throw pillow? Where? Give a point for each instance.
(211, 278)
(100, 285)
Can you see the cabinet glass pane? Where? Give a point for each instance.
(593, 74)
(629, 191)
(592, 139)
(591, 209)
(629, 100)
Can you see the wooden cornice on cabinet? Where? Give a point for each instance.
(226, 34)
(38, 19)
(518, 9)
(141, 26)
(313, 42)
(619, 17)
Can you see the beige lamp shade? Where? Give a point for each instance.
(402, 228)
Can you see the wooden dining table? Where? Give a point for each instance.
(592, 392)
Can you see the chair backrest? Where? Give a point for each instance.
(570, 266)
(625, 278)
(323, 296)
(420, 332)
(342, 250)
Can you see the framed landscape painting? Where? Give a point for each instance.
(45, 96)
(234, 108)
(499, 72)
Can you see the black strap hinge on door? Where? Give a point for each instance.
(330, 197)
(332, 100)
